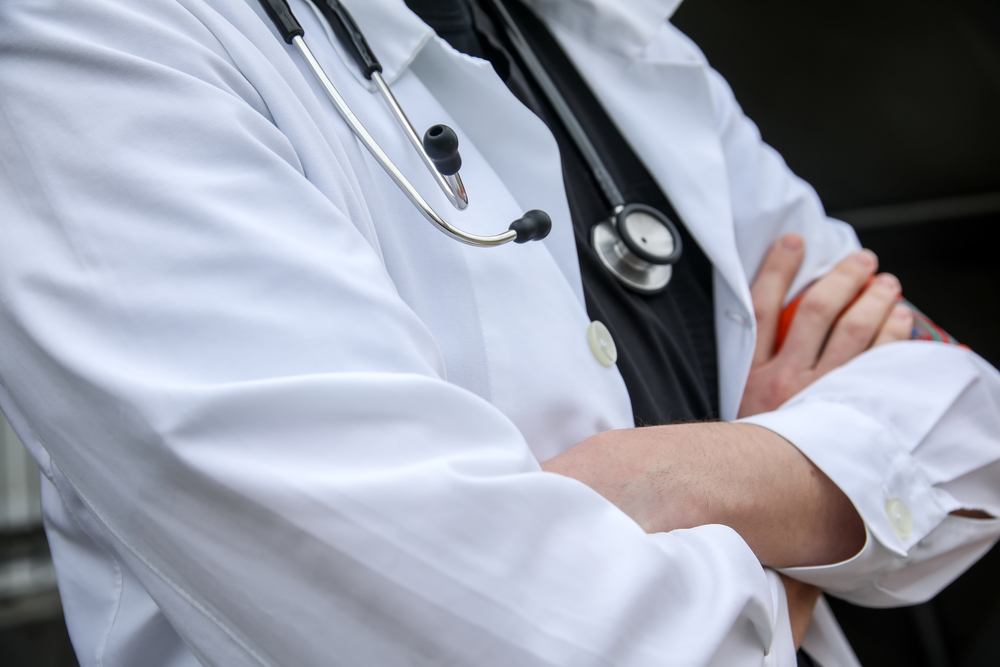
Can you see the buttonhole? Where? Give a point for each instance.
(738, 318)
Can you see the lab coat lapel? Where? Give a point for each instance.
(618, 26)
(686, 160)
(661, 101)
(688, 163)
(663, 107)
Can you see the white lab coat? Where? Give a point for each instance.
(282, 420)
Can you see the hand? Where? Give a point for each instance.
(838, 319)
(802, 599)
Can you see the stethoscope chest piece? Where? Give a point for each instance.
(639, 246)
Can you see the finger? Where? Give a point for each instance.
(770, 288)
(822, 303)
(857, 328)
(899, 326)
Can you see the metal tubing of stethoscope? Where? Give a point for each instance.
(387, 164)
(452, 187)
(457, 186)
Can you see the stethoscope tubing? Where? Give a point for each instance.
(609, 188)
(387, 164)
(635, 266)
(452, 185)
(337, 21)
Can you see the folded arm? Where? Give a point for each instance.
(240, 409)
(912, 421)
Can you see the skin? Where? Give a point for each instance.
(802, 600)
(828, 330)
(739, 475)
(744, 476)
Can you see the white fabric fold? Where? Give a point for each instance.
(907, 422)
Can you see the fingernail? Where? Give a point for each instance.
(889, 281)
(791, 242)
(866, 258)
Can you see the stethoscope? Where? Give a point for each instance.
(638, 244)
(439, 148)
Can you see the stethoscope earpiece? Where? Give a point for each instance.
(439, 148)
(534, 226)
(639, 246)
(441, 144)
(639, 243)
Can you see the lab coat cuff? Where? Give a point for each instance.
(842, 578)
(871, 466)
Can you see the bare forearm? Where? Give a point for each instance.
(739, 475)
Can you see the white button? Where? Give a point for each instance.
(601, 343)
(899, 517)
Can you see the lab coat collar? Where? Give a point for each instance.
(620, 26)
(397, 35)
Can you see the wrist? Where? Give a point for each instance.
(790, 512)
(739, 475)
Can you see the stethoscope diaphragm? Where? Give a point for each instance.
(639, 246)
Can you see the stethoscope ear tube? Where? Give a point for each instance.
(347, 31)
(283, 19)
(535, 225)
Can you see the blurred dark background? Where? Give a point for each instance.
(891, 109)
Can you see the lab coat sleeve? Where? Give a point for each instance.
(910, 432)
(200, 343)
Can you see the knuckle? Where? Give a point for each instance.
(898, 327)
(845, 271)
(771, 278)
(855, 329)
(783, 386)
(883, 298)
(816, 306)
(773, 263)
(856, 269)
(764, 313)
